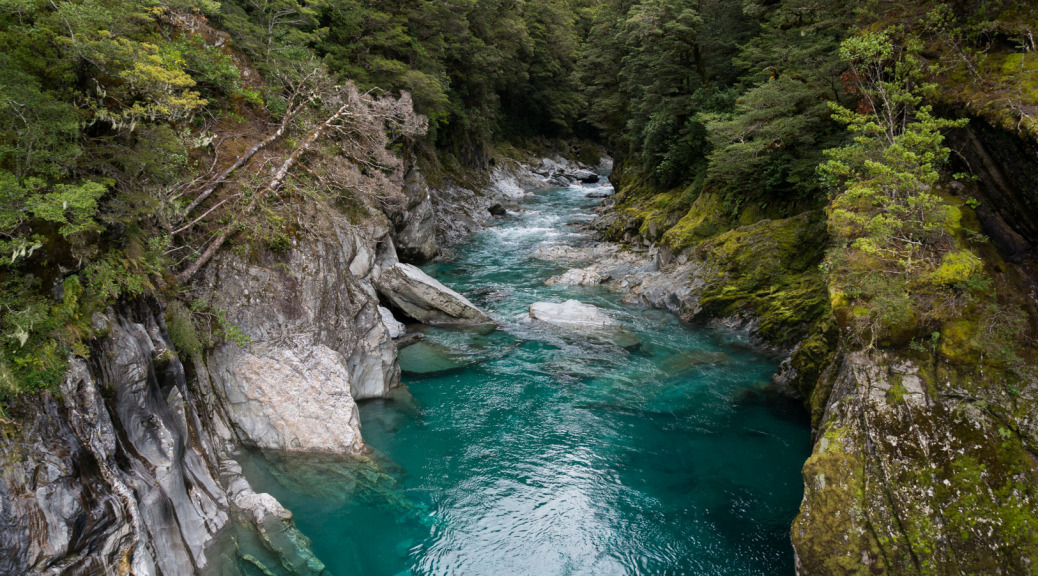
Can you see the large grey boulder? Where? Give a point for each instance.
(285, 398)
(425, 299)
(570, 313)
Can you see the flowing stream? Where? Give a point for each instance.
(531, 451)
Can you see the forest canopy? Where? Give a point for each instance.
(113, 116)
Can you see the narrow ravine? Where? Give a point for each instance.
(530, 450)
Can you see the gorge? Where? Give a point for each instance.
(518, 287)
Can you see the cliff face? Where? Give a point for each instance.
(318, 341)
(117, 474)
(132, 467)
(926, 460)
(919, 470)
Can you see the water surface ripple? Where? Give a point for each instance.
(547, 453)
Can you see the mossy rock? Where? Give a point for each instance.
(705, 219)
(769, 271)
(831, 533)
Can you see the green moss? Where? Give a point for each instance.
(704, 219)
(830, 533)
(769, 270)
(956, 267)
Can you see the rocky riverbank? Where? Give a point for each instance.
(924, 457)
(132, 466)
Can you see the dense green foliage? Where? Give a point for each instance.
(93, 98)
(118, 120)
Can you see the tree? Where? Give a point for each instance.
(893, 231)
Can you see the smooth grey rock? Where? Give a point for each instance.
(425, 299)
(571, 313)
(395, 327)
(286, 398)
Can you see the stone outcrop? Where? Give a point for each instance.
(312, 317)
(425, 299)
(917, 470)
(415, 225)
(120, 474)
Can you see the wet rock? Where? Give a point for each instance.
(598, 195)
(571, 313)
(590, 179)
(497, 210)
(425, 299)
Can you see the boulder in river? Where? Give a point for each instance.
(584, 319)
(425, 299)
(497, 210)
(571, 313)
(577, 277)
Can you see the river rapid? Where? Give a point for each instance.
(531, 450)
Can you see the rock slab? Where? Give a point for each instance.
(425, 299)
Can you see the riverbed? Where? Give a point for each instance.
(533, 450)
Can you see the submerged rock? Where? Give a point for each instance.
(425, 299)
(428, 358)
(586, 321)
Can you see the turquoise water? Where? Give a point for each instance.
(540, 452)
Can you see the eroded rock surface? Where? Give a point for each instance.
(91, 486)
(315, 299)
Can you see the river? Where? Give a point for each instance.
(530, 450)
